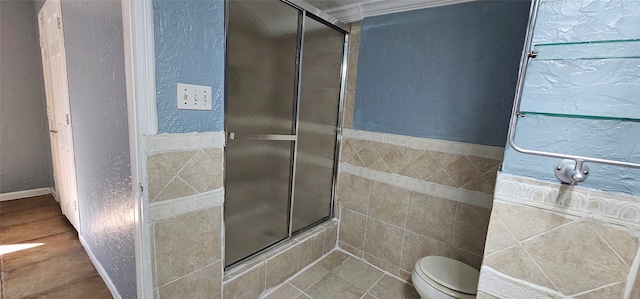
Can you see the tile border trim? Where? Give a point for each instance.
(175, 207)
(184, 141)
(500, 285)
(456, 194)
(438, 145)
(608, 207)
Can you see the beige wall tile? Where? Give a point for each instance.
(311, 250)
(462, 171)
(580, 259)
(416, 247)
(352, 228)
(369, 154)
(162, 167)
(466, 257)
(431, 216)
(393, 269)
(396, 160)
(388, 203)
(483, 164)
(330, 238)
(248, 285)
(356, 161)
(347, 150)
(176, 188)
(380, 166)
(282, 266)
(470, 230)
(615, 291)
(515, 262)
(383, 241)
(480, 184)
(203, 283)
(186, 243)
(353, 192)
(427, 165)
(352, 250)
(442, 177)
(498, 236)
(525, 222)
(349, 104)
(620, 240)
(217, 156)
(200, 171)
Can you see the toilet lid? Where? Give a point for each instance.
(450, 273)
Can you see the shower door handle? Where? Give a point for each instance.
(277, 137)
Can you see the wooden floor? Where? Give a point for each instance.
(40, 254)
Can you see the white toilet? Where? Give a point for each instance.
(438, 277)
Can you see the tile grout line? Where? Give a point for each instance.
(539, 267)
(609, 245)
(372, 286)
(596, 289)
(175, 176)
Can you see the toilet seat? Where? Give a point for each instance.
(449, 276)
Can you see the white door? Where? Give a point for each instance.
(58, 109)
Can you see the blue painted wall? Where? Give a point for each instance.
(447, 72)
(587, 86)
(189, 46)
(99, 118)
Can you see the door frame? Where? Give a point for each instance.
(138, 35)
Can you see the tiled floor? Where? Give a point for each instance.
(339, 275)
(40, 254)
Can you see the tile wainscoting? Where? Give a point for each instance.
(268, 271)
(185, 198)
(402, 198)
(549, 240)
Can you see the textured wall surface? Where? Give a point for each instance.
(25, 153)
(589, 86)
(446, 72)
(95, 66)
(189, 45)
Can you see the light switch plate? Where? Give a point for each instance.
(194, 97)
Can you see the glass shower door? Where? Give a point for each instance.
(323, 53)
(261, 105)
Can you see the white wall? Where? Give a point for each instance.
(95, 66)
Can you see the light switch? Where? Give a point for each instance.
(194, 97)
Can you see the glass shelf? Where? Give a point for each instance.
(609, 49)
(577, 116)
(603, 137)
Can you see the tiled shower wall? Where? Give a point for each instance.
(185, 214)
(402, 198)
(551, 240)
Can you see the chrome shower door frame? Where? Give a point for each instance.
(306, 10)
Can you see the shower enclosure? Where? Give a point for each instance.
(284, 79)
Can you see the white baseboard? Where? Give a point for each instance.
(25, 193)
(100, 269)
